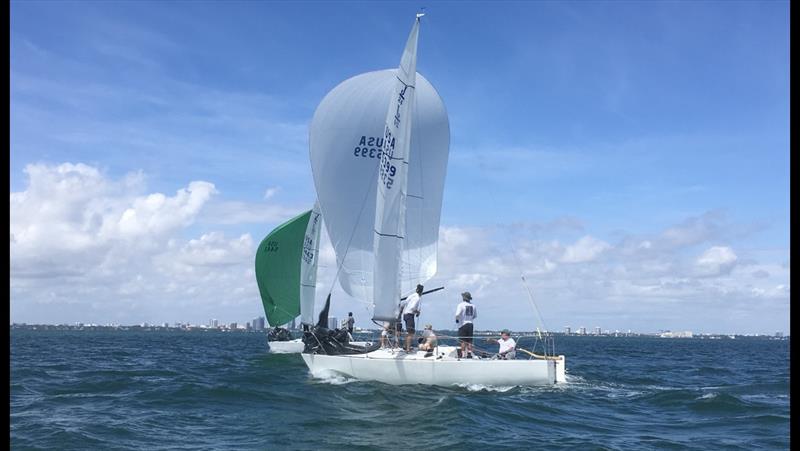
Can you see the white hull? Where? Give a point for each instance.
(399, 368)
(296, 346)
(286, 347)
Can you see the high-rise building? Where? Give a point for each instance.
(258, 323)
(214, 323)
(597, 330)
(232, 326)
(333, 322)
(582, 331)
(567, 330)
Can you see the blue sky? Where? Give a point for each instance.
(624, 122)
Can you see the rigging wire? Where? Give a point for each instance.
(519, 266)
(353, 232)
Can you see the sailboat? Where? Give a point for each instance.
(286, 273)
(379, 144)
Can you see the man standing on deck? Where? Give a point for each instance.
(410, 311)
(350, 322)
(465, 314)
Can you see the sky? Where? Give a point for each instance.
(629, 159)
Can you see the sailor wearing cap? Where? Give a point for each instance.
(507, 346)
(465, 314)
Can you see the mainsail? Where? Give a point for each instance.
(285, 259)
(390, 203)
(347, 139)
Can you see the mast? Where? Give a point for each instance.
(390, 202)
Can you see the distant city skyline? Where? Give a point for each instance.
(225, 328)
(247, 325)
(629, 159)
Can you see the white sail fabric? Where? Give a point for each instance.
(346, 141)
(308, 266)
(390, 202)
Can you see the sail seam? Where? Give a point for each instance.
(404, 84)
(389, 235)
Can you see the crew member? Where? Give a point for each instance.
(411, 310)
(465, 314)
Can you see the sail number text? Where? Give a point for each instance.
(387, 169)
(308, 249)
(382, 148)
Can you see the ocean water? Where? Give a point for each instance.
(216, 390)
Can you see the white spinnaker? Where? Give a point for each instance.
(390, 202)
(346, 135)
(308, 266)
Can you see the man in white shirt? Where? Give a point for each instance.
(507, 346)
(465, 314)
(411, 309)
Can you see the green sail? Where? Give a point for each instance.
(278, 270)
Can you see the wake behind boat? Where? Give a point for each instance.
(379, 144)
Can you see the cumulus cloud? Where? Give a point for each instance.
(716, 260)
(89, 247)
(212, 249)
(677, 277)
(584, 250)
(156, 213)
(693, 230)
(82, 238)
(74, 207)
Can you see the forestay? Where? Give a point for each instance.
(346, 148)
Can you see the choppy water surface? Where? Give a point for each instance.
(215, 390)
